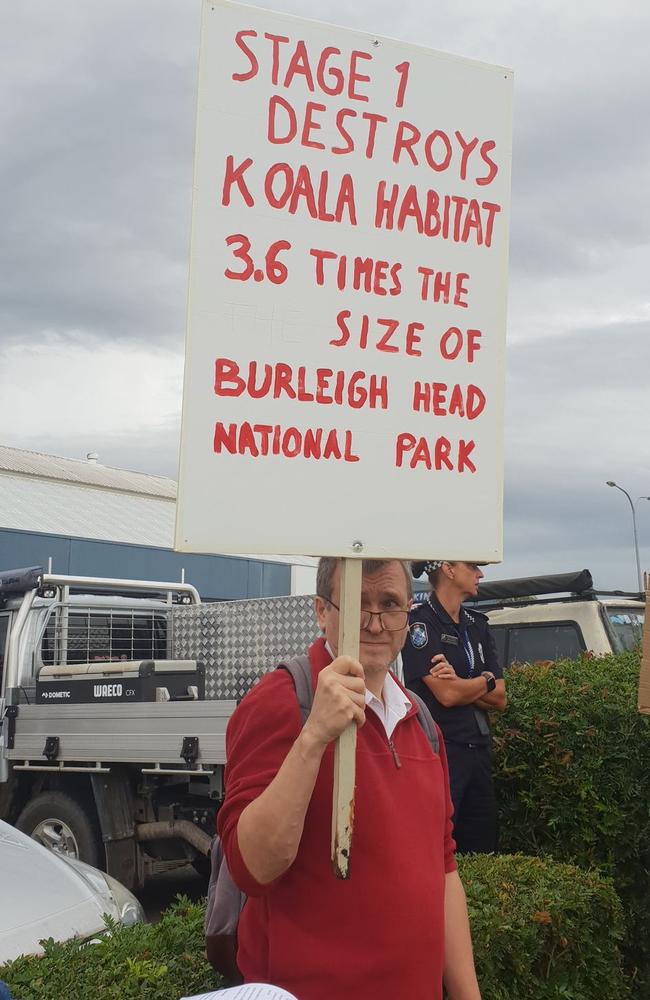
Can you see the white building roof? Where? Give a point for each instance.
(65, 496)
(89, 473)
(57, 508)
(83, 499)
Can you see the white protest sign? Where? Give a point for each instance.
(345, 351)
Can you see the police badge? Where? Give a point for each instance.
(418, 633)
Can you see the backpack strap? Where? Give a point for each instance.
(428, 725)
(300, 669)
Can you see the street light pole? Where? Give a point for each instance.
(636, 539)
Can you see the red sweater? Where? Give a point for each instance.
(380, 934)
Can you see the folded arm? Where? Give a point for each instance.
(494, 701)
(450, 690)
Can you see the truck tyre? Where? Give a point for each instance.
(61, 824)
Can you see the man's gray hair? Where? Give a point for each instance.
(327, 568)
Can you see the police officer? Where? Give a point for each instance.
(450, 660)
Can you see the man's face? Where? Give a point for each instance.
(385, 590)
(467, 577)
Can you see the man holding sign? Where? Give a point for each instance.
(399, 924)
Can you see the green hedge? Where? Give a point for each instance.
(541, 931)
(162, 961)
(573, 779)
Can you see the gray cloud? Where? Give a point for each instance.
(561, 522)
(98, 125)
(574, 404)
(97, 107)
(584, 361)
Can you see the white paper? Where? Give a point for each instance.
(251, 991)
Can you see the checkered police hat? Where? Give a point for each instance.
(430, 566)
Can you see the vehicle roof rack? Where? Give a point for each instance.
(578, 584)
(19, 581)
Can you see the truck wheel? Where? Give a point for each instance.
(60, 823)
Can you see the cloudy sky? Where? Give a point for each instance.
(97, 106)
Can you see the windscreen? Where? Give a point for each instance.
(626, 626)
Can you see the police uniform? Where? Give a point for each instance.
(470, 649)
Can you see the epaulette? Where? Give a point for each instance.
(475, 616)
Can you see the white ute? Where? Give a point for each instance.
(559, 617)
(48, 895)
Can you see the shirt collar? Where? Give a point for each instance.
(394, 705)
(444, 615)
(393, 698)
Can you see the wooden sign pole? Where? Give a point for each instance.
(346, 745)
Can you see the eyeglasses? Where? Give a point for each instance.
(390, 621)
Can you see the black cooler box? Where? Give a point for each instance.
(124, 681)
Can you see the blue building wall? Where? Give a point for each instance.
(215, 577)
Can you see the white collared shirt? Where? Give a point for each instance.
(391, 707)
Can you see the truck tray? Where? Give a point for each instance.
(144, 733)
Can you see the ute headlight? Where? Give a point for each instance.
(129, 908)
(115, 895)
